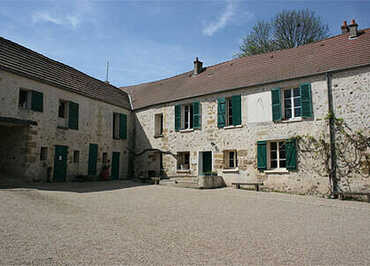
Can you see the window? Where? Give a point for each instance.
(291, 103)
(183, 160)
(187, 116)
(105, 158)
(68, 114)
(31, 100)
(44, 154)
(279, 154)
(62, 110)
(158, 125)
(230, 159)
(229, 111)
(119, 126)
(76, 156)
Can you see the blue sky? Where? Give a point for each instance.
(150, 40)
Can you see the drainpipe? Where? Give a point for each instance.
(333, 157)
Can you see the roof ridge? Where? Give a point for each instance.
(245, 58)
(65, 66)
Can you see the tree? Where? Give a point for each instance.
(288, 29)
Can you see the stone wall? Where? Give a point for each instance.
(95, 126)
(255, 126)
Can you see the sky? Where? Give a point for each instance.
(150, 40)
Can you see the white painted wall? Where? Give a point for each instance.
(258, 107)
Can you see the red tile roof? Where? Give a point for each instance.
(23, 61)
(338, 52)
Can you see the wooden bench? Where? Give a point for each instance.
(342, 195)
(255, 184)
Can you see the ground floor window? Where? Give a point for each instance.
(277, 154)
(183, 160)
(230, 159)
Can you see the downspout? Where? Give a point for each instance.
(333, 157)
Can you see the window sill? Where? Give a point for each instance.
(185, 171)
(230, 127)
(186, 130)
(61, 127)
(230, 170)
(277, 171)
(158, 136)
(291, 120)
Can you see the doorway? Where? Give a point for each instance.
(60, 163)
(205, 162)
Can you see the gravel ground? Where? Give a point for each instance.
(128, 223)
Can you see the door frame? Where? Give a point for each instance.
(200, 162)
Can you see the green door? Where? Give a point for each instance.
(207, 162)
(115, 165)
(60, 163)
(93, 158)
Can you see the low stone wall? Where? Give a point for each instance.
(211, 182)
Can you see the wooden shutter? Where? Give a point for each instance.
(291, 154)
(262, 155)
(122, 126)
(237, 109)
(73, 115)
(306, 99)
(196, 115)
(276, 104)
(177, 117)
(221, 106)
(37, 101)
(114, 125)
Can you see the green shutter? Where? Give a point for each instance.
(73, 115)
(196, 115)
(236, 102)
(177, 117)
(291, 154)
(122, 126)
(261, 155)
(114, 125)
(37, 101)
(306, 99)
(276, 104)
(221, 106)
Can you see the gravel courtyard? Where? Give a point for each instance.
(128, 223)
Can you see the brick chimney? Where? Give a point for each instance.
(353, 29)
(198, 66)
(344, 27)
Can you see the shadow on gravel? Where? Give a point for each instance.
(78, 187)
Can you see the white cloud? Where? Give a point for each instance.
(222, 21)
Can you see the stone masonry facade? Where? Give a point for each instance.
(20, 146)
(351, 98)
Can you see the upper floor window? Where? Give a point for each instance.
(158, 125)
(119, 126)
(291, 103)
(32, 100)
(187, 116)
(229, 111)
(276, 154)
(68, 114)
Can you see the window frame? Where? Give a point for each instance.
(278, 155)
(187, 114)
(292, 107)
(182, 161)
(76, 156)
(116, 125)
(158, 125)
(228, 159)
(43, 153)
(28, 103)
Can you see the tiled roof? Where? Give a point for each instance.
(338, 52)
(18, 59)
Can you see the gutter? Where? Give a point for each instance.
(254, 85)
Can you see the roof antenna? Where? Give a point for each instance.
(106, 78)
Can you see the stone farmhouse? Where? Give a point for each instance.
(239, 119)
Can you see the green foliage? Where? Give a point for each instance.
(287, 29)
